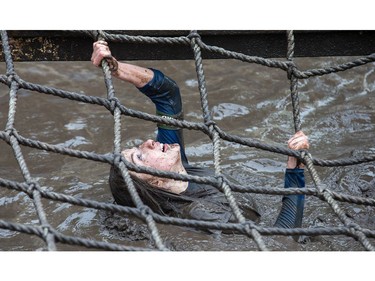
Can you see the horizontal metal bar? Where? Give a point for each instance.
(74, 46)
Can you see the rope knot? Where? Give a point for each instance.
(11, 131)
(211, 126)
(145, 211)
(291, 70)
(193, 35)
(46, 229)
(100, 35)
(31, 188)
(251, 225)
(220, 180)
(323, 188)
(116, 159)
(114, 102)
(11, 76)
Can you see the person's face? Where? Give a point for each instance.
(165, 157)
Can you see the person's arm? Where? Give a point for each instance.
(291, 212)
(165, 94)
(136, 75)
(162, 91)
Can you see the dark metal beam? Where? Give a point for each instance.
(73, 46)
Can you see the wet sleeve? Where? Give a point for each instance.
(165, 94)
(294, 178)
(291, 213)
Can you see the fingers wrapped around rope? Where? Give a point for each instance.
(112, 62)
(299, 141)
(101, 51)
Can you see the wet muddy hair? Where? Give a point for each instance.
(199, 201)
(160, 201)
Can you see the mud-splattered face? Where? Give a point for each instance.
(165, 157)
(153, 154)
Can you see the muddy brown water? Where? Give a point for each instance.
(337, 113)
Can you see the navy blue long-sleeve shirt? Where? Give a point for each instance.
(165, 94)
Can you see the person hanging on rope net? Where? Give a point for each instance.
(180, 198)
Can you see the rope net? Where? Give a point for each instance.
(255, 232)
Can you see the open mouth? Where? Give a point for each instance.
(164, 147)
